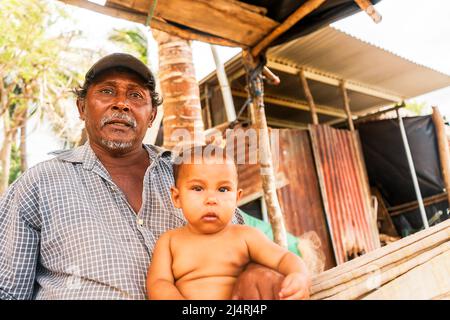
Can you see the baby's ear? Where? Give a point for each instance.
(239, 194)
(175, 196)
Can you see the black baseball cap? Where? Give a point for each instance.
(120, 60)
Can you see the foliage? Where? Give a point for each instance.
(133, 40)
(418, 108)
(36, 70)
(15, 164)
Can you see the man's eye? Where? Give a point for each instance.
(197, 188)
(136, 95)
(224, 189)
(106, 91)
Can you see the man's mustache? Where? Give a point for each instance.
(118, 116)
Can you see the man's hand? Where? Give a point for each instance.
(295, 287)
(258, 283)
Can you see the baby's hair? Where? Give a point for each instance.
(195, 154)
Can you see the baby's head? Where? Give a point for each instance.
(206, 188)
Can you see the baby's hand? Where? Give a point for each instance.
(295, 287)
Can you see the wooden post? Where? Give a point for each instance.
(309, 97)
(207, 108)
(305, 9)
(347, 105)
(444, 153)
(367, 6)
(265, 154)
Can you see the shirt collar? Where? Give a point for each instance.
(85, 155)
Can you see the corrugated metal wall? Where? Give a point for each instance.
(299, 194)
(345, 191)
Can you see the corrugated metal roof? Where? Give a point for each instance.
(344, 56)
(375, 77)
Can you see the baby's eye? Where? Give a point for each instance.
(224, 189)
(197, 188)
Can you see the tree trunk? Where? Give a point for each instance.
(5, 154)
(23, 144)
(182, 120)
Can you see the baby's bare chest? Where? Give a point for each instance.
(193, 259)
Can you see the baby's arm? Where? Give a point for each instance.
(262, 250)
(160, 281)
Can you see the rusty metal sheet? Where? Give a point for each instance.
(345, 192)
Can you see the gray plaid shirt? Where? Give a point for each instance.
(68, 232)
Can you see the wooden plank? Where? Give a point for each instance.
(242, 25)
(156, 23)
(408, 245)
(295, 17)
(295, 104)
(426, 281)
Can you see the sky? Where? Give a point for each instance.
(413, 29)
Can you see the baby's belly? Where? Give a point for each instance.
(207, 288)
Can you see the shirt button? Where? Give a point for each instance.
(140, 222)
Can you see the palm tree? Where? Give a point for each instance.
(177, 81)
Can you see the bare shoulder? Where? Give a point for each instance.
(246, 231)
(169, 234)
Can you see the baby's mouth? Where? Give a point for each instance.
(210, 217)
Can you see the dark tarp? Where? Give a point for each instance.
(279, 10)
(330, 11)
(388, 169)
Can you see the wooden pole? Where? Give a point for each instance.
(207, 107)
(444, 152)
(346, 101)
(298, 14)
(256, 91)
(367, 6)
(224, 85)
(309, 97)
(155, 23)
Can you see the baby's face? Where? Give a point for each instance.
(207, 194)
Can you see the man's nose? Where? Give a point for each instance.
(121, 104)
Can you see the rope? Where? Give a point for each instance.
(151, 11)
(252, 75)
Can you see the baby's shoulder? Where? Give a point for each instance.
(242, 229)
(170, 234)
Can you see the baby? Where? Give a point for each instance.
(202, 260)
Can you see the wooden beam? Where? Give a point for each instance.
(334, 80)
(443, 148)
(155, 23)
(346, 103)
(298, 14)
(367, 6)
(207, 108)
(409, 206)
(221, 18)
(265, 159)
(309, 97)
(296, 104)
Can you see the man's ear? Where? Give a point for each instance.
(81, 107)
(175, 196)
(153, 116)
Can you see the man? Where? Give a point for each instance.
(83, 225)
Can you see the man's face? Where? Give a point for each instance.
(117, 111)
(207, 193)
